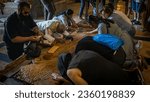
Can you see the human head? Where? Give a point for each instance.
(24, 9)
(111, 6)
(106, 12)
(69, 12)
(93, 20)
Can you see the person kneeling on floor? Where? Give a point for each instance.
(89, 66)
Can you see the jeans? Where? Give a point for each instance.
(49, 9)
(63, 62)
(84, 4)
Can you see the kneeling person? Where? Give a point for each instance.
(89, 67)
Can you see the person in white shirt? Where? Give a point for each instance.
(121, 20)
(107, 26)
(66, 18)
(53, 29)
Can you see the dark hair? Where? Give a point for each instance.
(94, 19)
(66, 12)
(98, 20)
(107, 9)
(21, 5)
(111, 6)
(69, 12)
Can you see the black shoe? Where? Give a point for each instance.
(133, 20)
(137, 23)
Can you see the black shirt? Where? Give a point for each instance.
(97, 70)
(14, 26)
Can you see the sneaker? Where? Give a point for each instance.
(133, 20)
(137, 23)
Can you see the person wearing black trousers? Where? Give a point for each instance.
(49, 9)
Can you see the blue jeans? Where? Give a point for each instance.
(84, 4)
(49, 9)
(136, 6)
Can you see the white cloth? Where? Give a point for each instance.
(62, 19)
(52, 24)
(67, 21)
(49, 24)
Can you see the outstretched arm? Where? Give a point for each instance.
(93, 31)
(76, 76)
(36, 37)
